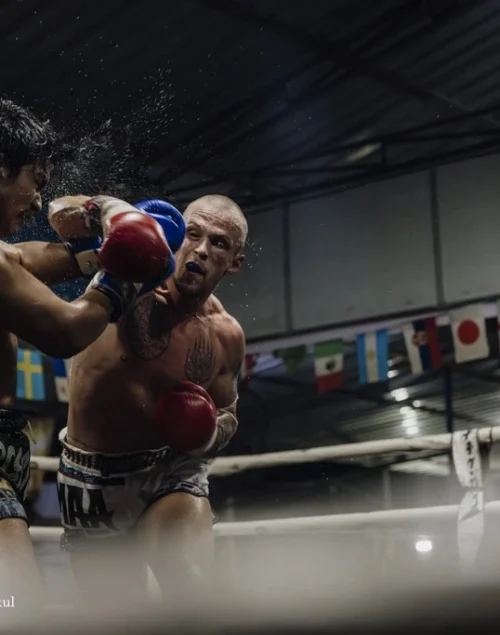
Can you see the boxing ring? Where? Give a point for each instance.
(306, 597)
(399, 518)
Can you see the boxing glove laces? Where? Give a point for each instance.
(86, 253)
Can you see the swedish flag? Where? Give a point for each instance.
(30, 382)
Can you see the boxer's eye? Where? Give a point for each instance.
(41, 178)
(218, 241)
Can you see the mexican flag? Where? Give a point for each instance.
(328, 363)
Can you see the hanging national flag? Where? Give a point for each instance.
(328, 364)
(373, 356)
(468, 328)
(422, 344)
(61, 374)
(292, 357)
(30, 380)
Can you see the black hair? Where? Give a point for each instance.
(24, 139)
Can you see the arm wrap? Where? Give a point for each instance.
(226, 427)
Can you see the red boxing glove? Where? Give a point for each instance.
(135, 248)
(187, 417)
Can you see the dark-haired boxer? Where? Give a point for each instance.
(151, 402)
(28, 309)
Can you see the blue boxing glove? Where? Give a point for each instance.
(170, 219)
(120, 292)
(86, 253)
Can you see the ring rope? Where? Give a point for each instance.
(230, 465)
(227, 465)
(367, 520)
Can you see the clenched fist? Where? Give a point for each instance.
(69, 218)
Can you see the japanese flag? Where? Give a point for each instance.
(468, 328)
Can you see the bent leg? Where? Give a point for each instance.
(19, 572)
(109, 574)
(177, 537)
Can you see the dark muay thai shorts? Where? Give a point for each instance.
(103, 496)
(15, 458)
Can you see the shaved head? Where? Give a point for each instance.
(226, 210)
(216, 231)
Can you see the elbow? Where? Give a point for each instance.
(72, 341)
(62, 348)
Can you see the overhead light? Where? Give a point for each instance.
(417, 404)
(401, 394)
(405, 410)
(392, 373)
(423, 546)
(362, 152)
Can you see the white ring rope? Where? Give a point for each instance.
(224, 466)
(395, 518)
(400, 517)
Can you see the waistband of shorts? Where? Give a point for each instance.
(112, 464)
(12, 420)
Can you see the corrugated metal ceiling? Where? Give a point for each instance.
(266, 100)
(236, 95)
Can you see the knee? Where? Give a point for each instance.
(178, 517)
(185, 547)
(178, 530)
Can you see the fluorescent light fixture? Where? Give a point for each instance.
(401, 394)
(423, 546)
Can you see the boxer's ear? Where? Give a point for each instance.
(237, 264)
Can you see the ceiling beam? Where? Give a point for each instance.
(337, 53)
(390, 24)
(328, 186)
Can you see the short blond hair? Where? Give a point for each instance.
(226, 206)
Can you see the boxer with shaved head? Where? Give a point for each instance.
(151, 402)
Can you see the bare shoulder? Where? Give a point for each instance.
(224, 325)
(6, 263)
(11, 252)
(7, 274)
(229, 332)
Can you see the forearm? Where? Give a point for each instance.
(227, 424)
(90, 317)
(36, 315)
(66, 330)
(49, 262)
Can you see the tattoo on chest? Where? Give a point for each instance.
(148, 328)
(200, 360)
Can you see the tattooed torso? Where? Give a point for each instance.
(187, 347)
(118, 379)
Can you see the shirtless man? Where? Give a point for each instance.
(124, 468)
(31, 311)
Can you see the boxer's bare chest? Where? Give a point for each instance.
(155, 338)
